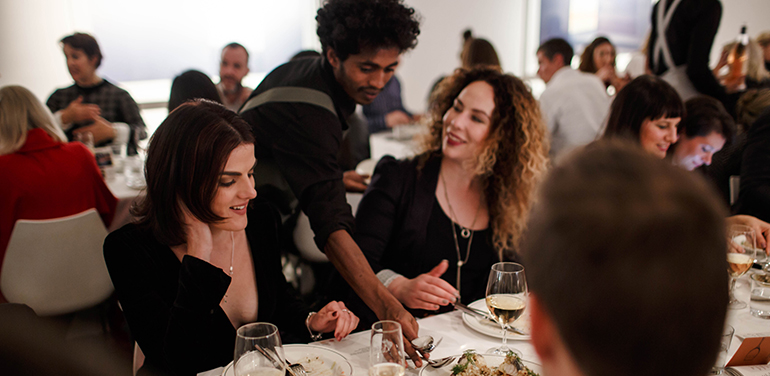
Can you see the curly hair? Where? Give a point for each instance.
(351, 26)
(587, 63)
(514, 155)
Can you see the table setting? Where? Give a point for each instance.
(494, 332)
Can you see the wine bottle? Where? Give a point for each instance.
(737, 60)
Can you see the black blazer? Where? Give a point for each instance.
(172, 308)
(754, 197)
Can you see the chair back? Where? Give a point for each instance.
(56, 266)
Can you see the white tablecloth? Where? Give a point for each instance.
(126, 197)
(458, 337)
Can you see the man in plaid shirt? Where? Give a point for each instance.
(92, 104)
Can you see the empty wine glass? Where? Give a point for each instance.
(506, 298)
(386, 350)
(741, 253)
(258, 351)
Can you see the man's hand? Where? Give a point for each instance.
(409, 328)
(397, 117)
(426, 291)
(101, 129)
(354, 182)
(78, 112)
(352, 265)
(761, 228)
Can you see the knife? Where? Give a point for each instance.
(483, 315)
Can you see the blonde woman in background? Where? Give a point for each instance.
(43, 176)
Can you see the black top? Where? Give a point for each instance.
(690, 36)
(754, 197)
(172, 308)
(304, 140)
(400, 226)
(116, 106)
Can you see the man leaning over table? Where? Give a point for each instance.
(626, 267)
(298, 114)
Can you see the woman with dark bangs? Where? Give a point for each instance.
(432, 226)
(199, 263)
(648, 110)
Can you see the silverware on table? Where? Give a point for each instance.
(483, 315)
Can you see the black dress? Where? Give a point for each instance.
(172, 307)
(401, 226)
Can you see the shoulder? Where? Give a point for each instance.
(388, 165)
(127, 241)
(308, 73)
(112, 88)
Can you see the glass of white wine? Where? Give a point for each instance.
(741, 253)
(258, 351)
(386, 351)
(506, 298)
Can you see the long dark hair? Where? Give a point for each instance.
(186, 155)
(646, 97)
(587, 63)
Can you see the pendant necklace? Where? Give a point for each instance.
(232, 255)
(465, 232)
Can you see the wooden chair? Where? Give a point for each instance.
(56, 266)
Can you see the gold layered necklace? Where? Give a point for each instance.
(465, 232)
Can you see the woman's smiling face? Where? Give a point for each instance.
(657, 135)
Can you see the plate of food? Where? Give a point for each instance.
(317, 360)
(472, 364)
(490, 328)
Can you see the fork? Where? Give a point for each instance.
(440, 362)
(296, 369)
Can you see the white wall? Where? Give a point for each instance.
(502, 22)
(30, 29)
(756, 15)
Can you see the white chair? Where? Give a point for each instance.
(56, 266)
(304, 235)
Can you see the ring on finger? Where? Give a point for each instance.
(345, 310)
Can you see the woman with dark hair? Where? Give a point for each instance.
(599, 58)
(199, 263)
(705, 131)
(189, 85)
(432, 226)
(648, 110)
(93, 104)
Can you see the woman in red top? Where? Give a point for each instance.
(43, 176)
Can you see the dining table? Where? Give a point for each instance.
(458, 336)
(126, 197)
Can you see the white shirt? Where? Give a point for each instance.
(574, 105)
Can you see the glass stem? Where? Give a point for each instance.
(732, 289)
(505, 339)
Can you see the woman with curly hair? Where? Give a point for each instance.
(432, 226)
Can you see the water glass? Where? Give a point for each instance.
(258, 351)
(86, 138)
(386, 350)
(759, 303)
(133, 170)
(724, 347)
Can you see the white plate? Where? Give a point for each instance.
(492, 329)
(492, 361)
(300, 354)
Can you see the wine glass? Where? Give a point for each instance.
(258, 351)
(741, 253)
(386, 350)
(506, 298)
